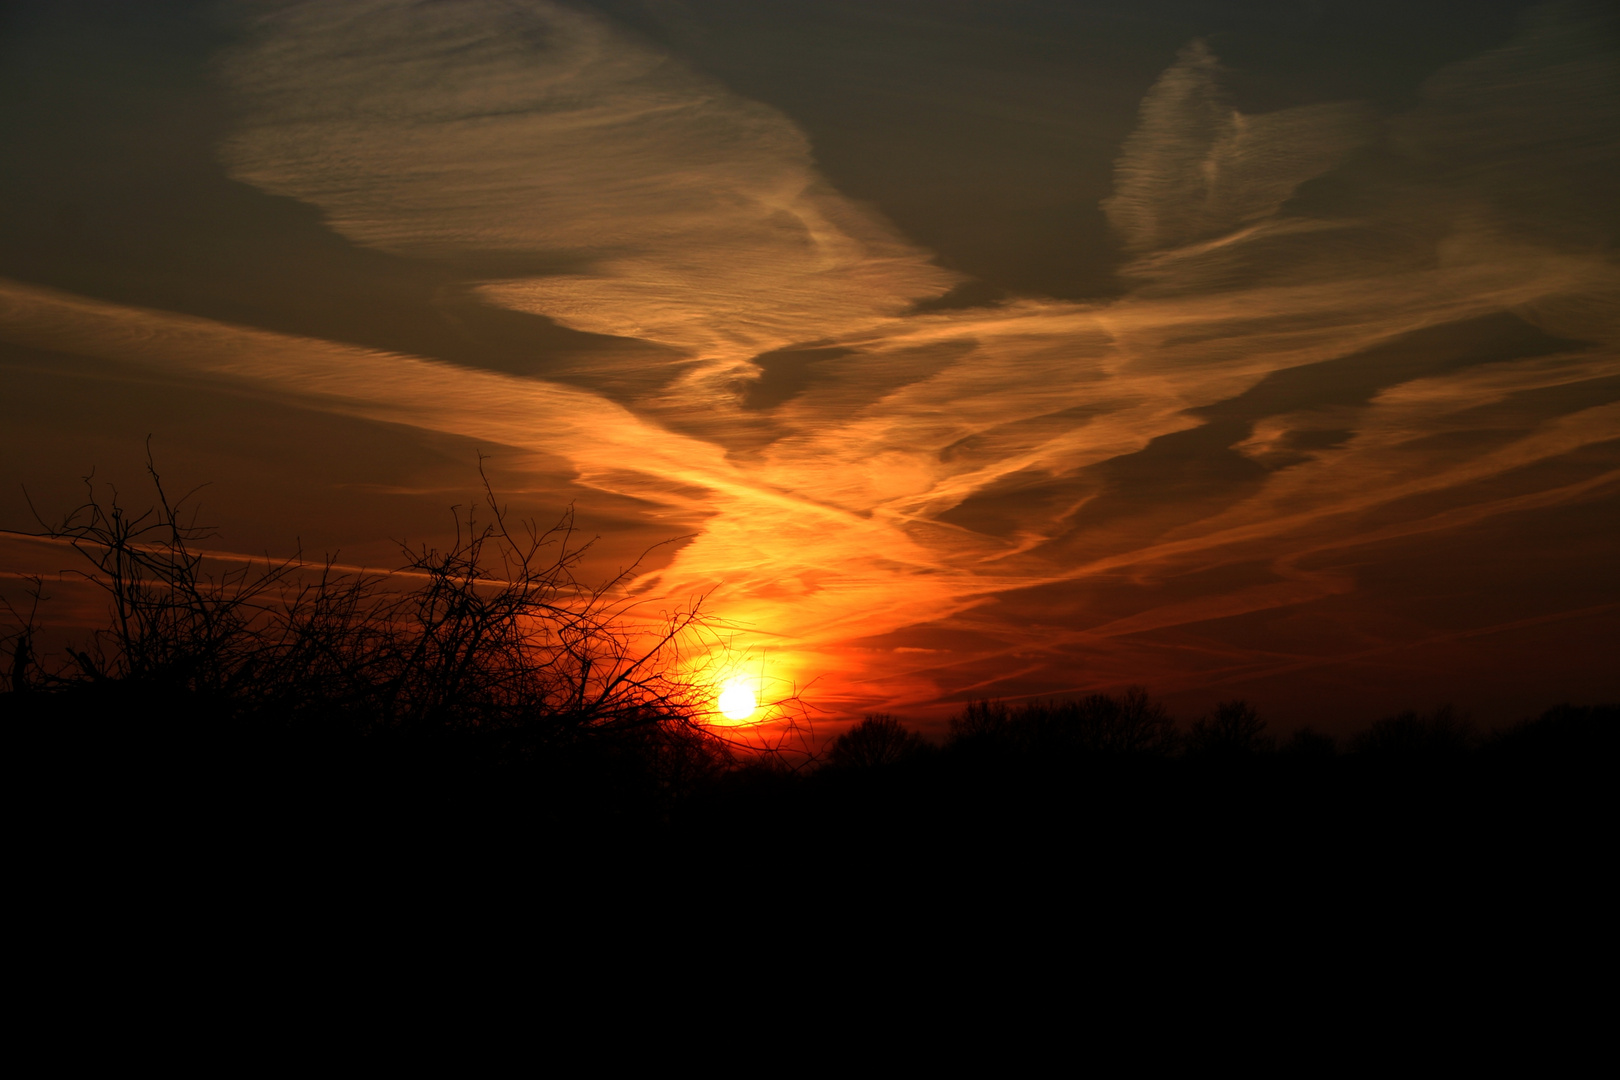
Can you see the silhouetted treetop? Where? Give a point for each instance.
(877, 741)
(1098, 724)
(1231, 729)
(1440, 736)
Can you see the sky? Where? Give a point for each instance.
(946, 350)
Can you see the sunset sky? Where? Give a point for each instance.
(1006, 348)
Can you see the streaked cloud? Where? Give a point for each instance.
(1342, 330)
(1196, 168)
(533, 131)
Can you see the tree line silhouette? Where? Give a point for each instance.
(483, 689)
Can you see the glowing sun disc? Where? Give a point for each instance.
(737, 702)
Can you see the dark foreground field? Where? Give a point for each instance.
(140, 777)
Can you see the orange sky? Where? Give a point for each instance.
(1342, 435)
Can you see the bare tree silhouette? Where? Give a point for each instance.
(20, 641)
(494, 636)
(1307, 742)
(1097, 724)
(1444, 734)
(173, 622)
(876, 741)
(1231, 729)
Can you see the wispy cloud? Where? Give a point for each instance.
(460, 131)
(1197, 169)
(927, 463)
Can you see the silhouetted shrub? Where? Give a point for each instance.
(493, 640)
(18, 640)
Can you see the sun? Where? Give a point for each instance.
(737, 701)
